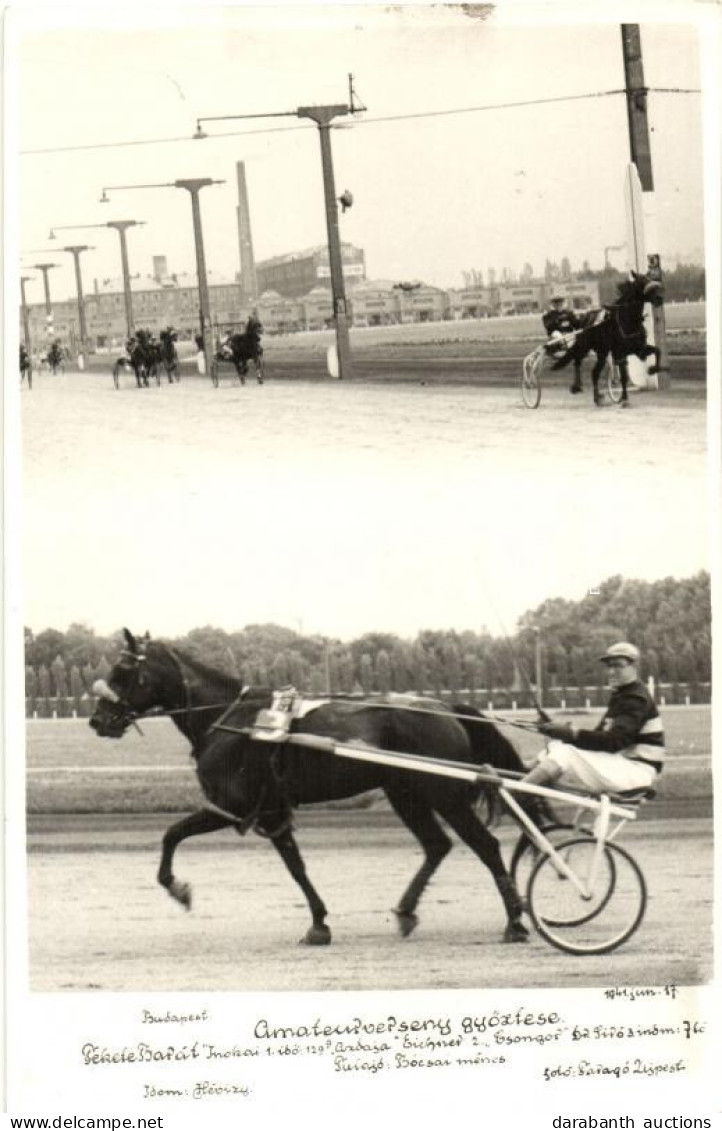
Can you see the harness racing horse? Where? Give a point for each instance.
(253, 783)
(143, 357)
(169, 355)
(619, 331)
(55, 358)
(242, 348)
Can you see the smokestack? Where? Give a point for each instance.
(245, 243)
(160, 267)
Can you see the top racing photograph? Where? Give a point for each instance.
(361, 579)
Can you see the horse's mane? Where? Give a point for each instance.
(205, 671)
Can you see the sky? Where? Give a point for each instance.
(436, 192)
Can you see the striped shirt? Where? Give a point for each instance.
(631, 726)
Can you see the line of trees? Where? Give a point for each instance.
(669, 620)
(685, 282)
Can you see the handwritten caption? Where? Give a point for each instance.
(495, 1040)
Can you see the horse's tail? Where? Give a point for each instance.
(489, 745)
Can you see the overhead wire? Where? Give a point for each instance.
(414, 116)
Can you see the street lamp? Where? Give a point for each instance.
(192, 186)
(322, 116)
(26, 319)
(46, 268)
(120, 226)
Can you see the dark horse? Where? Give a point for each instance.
(245, 347)
(143, 357)
(250, 783)
(169, 354)
(55, 358)
(617, 330)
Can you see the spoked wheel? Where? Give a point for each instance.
(614, 383)
(526, 853)
(531, 379)
(601, 918)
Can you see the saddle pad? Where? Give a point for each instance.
(273, 723)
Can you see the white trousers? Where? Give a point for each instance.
(598, 771)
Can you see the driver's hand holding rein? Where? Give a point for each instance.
(624, 751)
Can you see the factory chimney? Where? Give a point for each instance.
(245, 243)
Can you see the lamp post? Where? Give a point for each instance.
(75, 250)
(322, 116)
(192, 186)
(26, 319)
(46, 268)
(121, 227)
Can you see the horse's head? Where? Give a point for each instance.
(137, 684)
(641, 289)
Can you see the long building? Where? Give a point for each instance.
(165, 299)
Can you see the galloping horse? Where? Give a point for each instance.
(169, 355)
(617, 330)
(250, 783)
(143, 357)
(245, 347)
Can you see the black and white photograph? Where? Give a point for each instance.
(361, 481)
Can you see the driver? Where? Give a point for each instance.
(625, 751)
(558, 321)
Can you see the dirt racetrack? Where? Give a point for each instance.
(98, 921)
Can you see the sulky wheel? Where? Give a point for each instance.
(531, 379)
(526, 852)
(614, 383)
(604, 915)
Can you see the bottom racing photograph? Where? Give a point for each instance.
(460, 809)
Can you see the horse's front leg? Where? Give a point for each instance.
(653, 351)
(624, 378)
(318, 934)
(576, 385)
(202, 821)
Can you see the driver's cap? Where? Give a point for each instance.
(621, 651)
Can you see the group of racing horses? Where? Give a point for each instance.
(148, 356)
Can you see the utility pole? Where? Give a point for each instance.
(26, 318)
(75, 251)
(194, 187)
(641, 155)
(49, 321)
(120, 227)
(323, 116)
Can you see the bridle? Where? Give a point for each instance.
(122, 713)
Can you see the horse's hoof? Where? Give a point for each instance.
(575, 389)
(406, 921)
(181, 892)
(625, 404)
(516, 932)
(317, 935)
